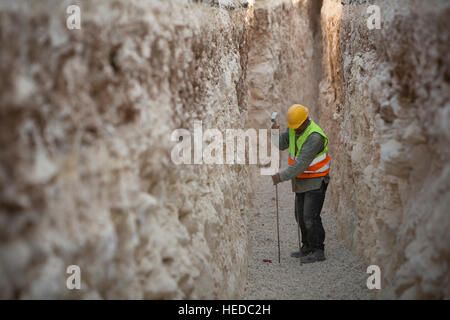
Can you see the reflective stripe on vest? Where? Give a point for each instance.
(320, 166)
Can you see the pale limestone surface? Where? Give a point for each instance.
(86, 117)
(385, 107)
(284, 59)
(86, 175)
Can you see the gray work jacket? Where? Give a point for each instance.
(310, 148)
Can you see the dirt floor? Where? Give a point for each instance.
(341, 276)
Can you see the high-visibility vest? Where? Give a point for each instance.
(320, 166)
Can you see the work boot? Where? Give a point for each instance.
(305, 250)
(316, 255)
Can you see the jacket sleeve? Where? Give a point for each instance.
(283, 140)
(310, 148)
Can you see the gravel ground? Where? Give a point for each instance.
(341, 276)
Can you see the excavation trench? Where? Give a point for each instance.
(87, 175)
(342, 276)
(388, 189)
(284, 68)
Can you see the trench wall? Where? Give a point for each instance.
(384, 103)
(86, 176)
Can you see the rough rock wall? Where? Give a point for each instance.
(86, 175)
(385, 106)
(284, 60)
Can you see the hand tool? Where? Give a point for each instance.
(274, 120)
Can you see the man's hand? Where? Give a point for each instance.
(275, 125)
(276, 179)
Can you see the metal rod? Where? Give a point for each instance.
(278, 224)
(297, 219)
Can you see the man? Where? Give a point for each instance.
(309, 166)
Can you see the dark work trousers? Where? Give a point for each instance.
(308, 206)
